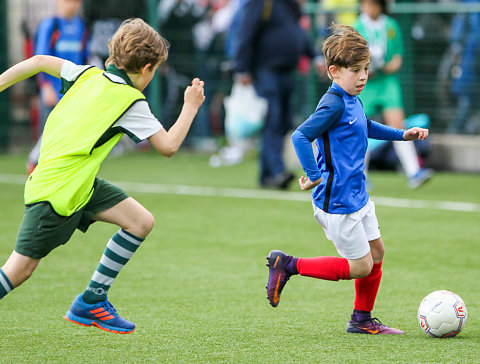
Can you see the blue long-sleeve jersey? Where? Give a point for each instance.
(69, 42)
(340, 130)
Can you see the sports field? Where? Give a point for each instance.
(196, 287)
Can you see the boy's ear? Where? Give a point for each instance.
(146, 68)
(333, 70)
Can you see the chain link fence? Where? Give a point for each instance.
(438, 36)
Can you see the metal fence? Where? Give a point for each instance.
(431, 65)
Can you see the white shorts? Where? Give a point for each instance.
(350, 233)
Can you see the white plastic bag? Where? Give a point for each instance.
(245, 112)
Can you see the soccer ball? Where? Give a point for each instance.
(442, 314)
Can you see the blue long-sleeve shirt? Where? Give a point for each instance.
(340, 130)
(69, 43)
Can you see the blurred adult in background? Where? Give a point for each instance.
(103, 18)
(270, 43)
(63, 35)
(383, 92)
(178, 19)
(212, 40)
(465, 54)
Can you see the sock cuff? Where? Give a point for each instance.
(294, 266)
(130, 236)
(346, 270)
(377, 267)
(4, 278)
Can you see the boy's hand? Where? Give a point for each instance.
(306, 184)
(194, 95)
(415, 133)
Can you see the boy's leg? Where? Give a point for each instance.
(366, 290)
(16, 270)
(135, 223)
(406, 152)
(353, 245)
(283, 266)
(92, 308)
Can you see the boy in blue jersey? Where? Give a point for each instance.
(341, 203)
(63, 35)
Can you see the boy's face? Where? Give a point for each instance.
(372, 8)
(147, 75)
(69, 8)
(351, 79)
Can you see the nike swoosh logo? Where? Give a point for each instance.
(352, 121)
(275, 294)
(276, 261)
(371, 331)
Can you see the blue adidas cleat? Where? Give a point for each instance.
(102, 315)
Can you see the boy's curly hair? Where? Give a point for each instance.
(136, 44)
(345, 47)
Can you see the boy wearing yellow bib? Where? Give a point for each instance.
(63, 193)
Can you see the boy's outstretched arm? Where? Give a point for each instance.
(168, 143)
(30, 67)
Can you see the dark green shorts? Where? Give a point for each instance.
(42, 229)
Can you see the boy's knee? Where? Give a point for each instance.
(145, 224)
(363, 271)
(149, 222)
(361, 268)
(378, 253)
(377, 249)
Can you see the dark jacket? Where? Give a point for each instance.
(270, 36)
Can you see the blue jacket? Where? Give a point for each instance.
(340, 130)
(270, 36)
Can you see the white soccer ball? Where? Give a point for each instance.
(442, 314)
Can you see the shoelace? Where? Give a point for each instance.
(377, 323)
(109, 307)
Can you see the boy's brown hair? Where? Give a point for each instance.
(345, 47)
(136, 44)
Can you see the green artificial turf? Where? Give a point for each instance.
(196, 287)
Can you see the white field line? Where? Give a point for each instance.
(154, 188)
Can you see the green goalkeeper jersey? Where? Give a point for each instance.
(78, 136)
(384, 38)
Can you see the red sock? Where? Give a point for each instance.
(366, 289)
(328, 268)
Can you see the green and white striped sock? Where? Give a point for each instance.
(118, 252)
(5, 284)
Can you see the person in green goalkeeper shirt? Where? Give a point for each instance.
(383, 92)
(63, 193)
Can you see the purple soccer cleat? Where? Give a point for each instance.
(278, 275)
(372, 327)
